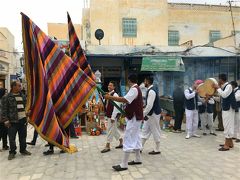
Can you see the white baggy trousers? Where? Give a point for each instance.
(152, 126)
(112, 131)
(191, 121)
(228, 122)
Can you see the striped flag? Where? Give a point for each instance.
(57, 87)
(76, 50)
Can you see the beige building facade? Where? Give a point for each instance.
(9, 64)
(59, 31)
(157, 22)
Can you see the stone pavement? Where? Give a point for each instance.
(181, 159)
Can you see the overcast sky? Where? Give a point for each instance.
(44, 11)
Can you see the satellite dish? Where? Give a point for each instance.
(99, 34)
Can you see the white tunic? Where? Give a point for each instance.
(151, 126)
(191, 115)
(237, 117)
(131, 139)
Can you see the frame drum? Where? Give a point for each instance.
(206, 87)
(201, 90)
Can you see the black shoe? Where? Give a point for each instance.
(154, 153)
(222, 145)
(223, 149)
(11, 156)
(219, 129)
(62, 152)
(119, 168)
(48, 152)
(105, 150)
(177, 131)
(134, 163)
(31, 143)
(237, 140)
(204, 134)
(46, 145)
(6, 148)
(119, 147)
(214, 134)
(26, 153)
(74, 137)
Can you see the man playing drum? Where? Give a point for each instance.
(191, 109)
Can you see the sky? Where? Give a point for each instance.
(52, 11)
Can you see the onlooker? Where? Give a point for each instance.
(218, 113)
(3, 129)
(14, 117)
(178, 104)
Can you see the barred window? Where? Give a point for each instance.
(129, 27)
(214, 36)
(173, 38)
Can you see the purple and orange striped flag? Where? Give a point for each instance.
(57, 87)
(76, 50)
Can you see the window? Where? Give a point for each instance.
(129, 27)
(214, 36)
(173, 38)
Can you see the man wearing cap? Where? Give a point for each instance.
(191, 109)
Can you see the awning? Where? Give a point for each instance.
(162, 63)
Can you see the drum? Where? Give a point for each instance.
(201, 90)
(207, 87)
(208, 84)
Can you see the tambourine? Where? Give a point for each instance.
(207, 87)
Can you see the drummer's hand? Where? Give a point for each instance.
(107, 96)
(215, 86)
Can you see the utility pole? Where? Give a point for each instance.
(234, 31)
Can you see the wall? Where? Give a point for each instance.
(8, 60)
(60, 30)
(152, 21)
(195, 21)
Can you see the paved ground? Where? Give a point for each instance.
(180, 159)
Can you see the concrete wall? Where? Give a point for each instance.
(195, 21)
(60, 30)
(151, 15)
(154, 19)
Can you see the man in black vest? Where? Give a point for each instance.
(191, 109)
(225, 90)
(237, 114)
(111, 113)
(134, 118)
(151, 116)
